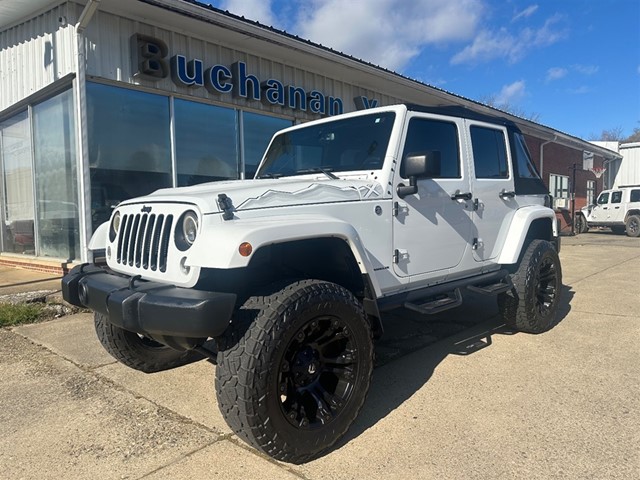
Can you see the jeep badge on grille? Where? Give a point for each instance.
(146, 209)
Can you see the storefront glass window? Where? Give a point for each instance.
(206, 142)
(258, 130)
(129, 146)
(17, 206)
(56, 180)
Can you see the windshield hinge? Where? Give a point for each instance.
(226, 205)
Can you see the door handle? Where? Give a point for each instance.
(504, 194)
(461, 196)
(616, 208)
(605, 208)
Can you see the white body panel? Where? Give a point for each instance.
(429, 239)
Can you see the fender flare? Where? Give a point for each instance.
(217, 246)
(100, 237)
(518, 229)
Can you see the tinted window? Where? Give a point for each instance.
(206, 142)
(56, 183)
(635, 196)
(434, 136)
(129, 146)
(526, 168)
(603, 198)
(616, 197)
(489, 153)
(258, 130)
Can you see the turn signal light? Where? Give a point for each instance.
(245, 249)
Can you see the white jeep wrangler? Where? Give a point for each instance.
(618, 209)
(290, 272)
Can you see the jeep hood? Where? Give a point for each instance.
(266, 193)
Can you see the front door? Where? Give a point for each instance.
(432, 229)
(600, 212)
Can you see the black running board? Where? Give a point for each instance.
(432, 306)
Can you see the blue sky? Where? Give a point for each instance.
(574, 65)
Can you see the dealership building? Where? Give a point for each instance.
(103, 100)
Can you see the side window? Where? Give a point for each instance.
(616, 197)
(635, 196)
(489, 153)
(603, 198)
(426, 135)
(526, 168)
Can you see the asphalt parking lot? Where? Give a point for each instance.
(453, 396)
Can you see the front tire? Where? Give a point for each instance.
(633, 226)
(581, 225)
(139, 352)
(294, 368)
(532, 304)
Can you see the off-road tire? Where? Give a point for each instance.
(294, 368)
(580, 225)
(618, 229)
(138, 352)
(532, 303)
(633, 226)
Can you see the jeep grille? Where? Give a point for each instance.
(143, 241)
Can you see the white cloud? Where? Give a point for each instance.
(258, 10)
(586, 69)
(388, 33)
(579, 90)
(527, 12)
(556, 73)
(511, 93)
(489, 45)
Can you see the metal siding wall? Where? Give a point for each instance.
(109, 58)
(629, 173)
(36, 53)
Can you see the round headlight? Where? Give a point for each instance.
(186, 230)
(115, 226)
(189, 228)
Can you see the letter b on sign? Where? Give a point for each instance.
(148, 57)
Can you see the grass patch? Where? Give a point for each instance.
(18, 314)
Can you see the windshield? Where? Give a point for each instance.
(357, 143)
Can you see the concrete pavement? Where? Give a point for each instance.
(564, 404)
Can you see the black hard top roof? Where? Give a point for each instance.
(462, 112)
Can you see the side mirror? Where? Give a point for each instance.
(424, 165)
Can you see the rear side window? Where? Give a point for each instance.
(425, 135)
(635, 196)
(616, 197)
(489, 153)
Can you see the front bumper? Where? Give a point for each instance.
(149, 308)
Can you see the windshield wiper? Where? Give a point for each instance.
(326, 171)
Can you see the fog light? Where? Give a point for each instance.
(83, 294)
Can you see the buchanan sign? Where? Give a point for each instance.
(149, 62)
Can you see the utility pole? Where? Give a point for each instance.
(574, 167)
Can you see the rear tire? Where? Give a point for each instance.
(532, 304)
(294, 369)
(633, 226)
(139, 352)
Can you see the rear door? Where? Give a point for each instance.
(493, 188)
